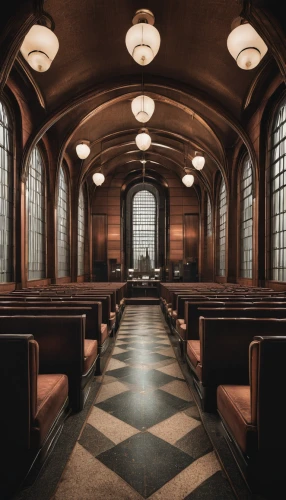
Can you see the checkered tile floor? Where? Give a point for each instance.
(143, 437)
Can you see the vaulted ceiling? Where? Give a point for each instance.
(202, 98)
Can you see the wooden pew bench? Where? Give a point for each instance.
(63, 347)
(253, 416)
(221, 354)
(33, 408)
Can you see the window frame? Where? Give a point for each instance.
(221, 272)
(245, 164)
(67, 269)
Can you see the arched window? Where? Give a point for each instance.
(246, 220)
(209, 217)
(144, 230)
(80, 234)
(221, 233)
(6, 195)
(278, 196)
(63, 233)
(36, 216)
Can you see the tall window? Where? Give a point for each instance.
(63, 239)
(278, 196)
(6, 195)
(209, 217)
(80, 234)
(144, 230)
(221, 236)
(246, 221)
(36, 216)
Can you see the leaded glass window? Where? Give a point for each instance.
(246, 220)
(63, 237)
(80, 234)
(144, 230)
(6, 196)
(221, 236)
(278, 196)
(36, 216)
(209, 217)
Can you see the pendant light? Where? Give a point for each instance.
(143, 140)
(187, 179)
(245, 45)
(198, 161)
(83, 149)
(143, 106)
(143, 39)
(40, 45)
(98, 178)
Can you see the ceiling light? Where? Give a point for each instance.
(143, 39)
(143, 140)
(40, 46)
(198, 161)
(188, 180)
(98, 178)
(83, 150)
(143, 108)
(245, 45)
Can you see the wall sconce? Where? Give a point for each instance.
(143, 140)
(83, 149)
(143, 39)
(40, 45)
(245, 45)
(198, 161)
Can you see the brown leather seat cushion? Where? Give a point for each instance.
(175, 314)
(52, 393)
(104, 332)
(233, 404)
(194, 351)
(90, 353)
(179, 322)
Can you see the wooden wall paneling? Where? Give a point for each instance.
(191, 237)
(99, 237)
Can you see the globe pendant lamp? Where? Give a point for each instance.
(245, 45)
(98, 178)
(83, 150)
(143, 108)
(40, 47)
(188, 180)
(198, 161)
(143, 39)
(143, 140)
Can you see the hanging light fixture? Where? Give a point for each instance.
(143, 108)
(143, 39)
(83, 149)
(188, 180)
(198, 161)
(40, 45)
(98, 178)
(245, 45)
(143, 140)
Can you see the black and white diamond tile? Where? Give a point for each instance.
(144, 431)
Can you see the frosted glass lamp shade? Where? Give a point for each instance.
(246, 46)
(143, 108)
(188, 180)
(143, 42)
(82, 150)
(198, 161)
(143, 141)
(40, 47)
(98, 178)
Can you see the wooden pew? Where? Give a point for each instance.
(222, 357)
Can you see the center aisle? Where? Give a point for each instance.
(143, 437)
